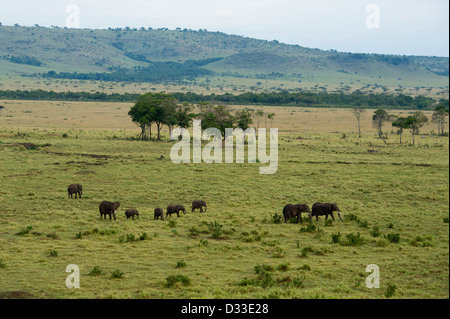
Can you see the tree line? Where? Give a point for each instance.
(412, 122)
(162, 109)
(300, 99)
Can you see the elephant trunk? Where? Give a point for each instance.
(205, 208)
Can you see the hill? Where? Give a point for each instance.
(188, 57)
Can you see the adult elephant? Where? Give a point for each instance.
(108, 208)
(76, 189)
(320, 209)
(291, 211)
(158, 213)
(171, 209)
(199, 204)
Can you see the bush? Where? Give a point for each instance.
(181, 264)
(305, 267)
(390, 292)
(262, 268)
(446, 220)
(24, 231)
(53, 253)
(375, 232)
(336, 238)
(174, 279)
(310, 228)
(172, 223)
(283, 267)
(2, 264)
(393, 238)
(277, 219)
(363, 224)
(351, 217)
(117, 274)
(353, 240)
(96, 271)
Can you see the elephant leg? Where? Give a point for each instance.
(326, 216)
(301, 220)
(317, 218)
(332, 216)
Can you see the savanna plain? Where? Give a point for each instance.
(394, 201)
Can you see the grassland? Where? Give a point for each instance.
(402, 190)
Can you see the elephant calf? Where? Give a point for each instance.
(76, 189)
(199, 204)
(171, 209)
(108, 208)
(159, 213)
(320, 209)
(290, 211)
(131, 213)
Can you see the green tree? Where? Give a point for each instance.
(152, 108)
(400, 124)
(439, 115)
(415, 122)
(358, 112)
(217, 116)
(379, 118)
(244, 118)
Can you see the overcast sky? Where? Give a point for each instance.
(412, 27)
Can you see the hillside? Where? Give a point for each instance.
(201, 58)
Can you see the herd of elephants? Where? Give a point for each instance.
(289, 211)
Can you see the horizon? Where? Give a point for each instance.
(403, 27)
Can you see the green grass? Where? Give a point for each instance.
(403, 187)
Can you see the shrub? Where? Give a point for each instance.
(172, 223)
(24, 231)
(306, 251)
(53, 235)
(353, 240)
(393, 238)
(446, 220)
(375, 232)
(310, 228)
(53, 253)
(277, 219)
(363, 224)
(305, 267)
(283, 267)
(117, 274)
(2, 264)
(96, 271)
(79, 235)
(262, 268)
(298, 282)
(193, 232)
(351, 217)
(390, 292)
(336, 238)
(174, 279)
(181, 263)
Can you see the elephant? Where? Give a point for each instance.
(132, 213)
(320, 209)
(76, 189)
(290, 211)
(159, 213)
(199, 204)
(171, 209)
(108, 208)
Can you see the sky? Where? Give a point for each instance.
(406, 27)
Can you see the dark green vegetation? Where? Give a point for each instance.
(301, 99)
(187, 56)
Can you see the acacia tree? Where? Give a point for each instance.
(152, 108)
(415, 122)
(380, 117)
(244, 118)
(271, 117)
(400, 124)
(217, 116)
(439, 115)
(358, 112)
(258, 115)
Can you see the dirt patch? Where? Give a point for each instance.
(15, 295)
(98, 156)
(86, 163)
(28, 146)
